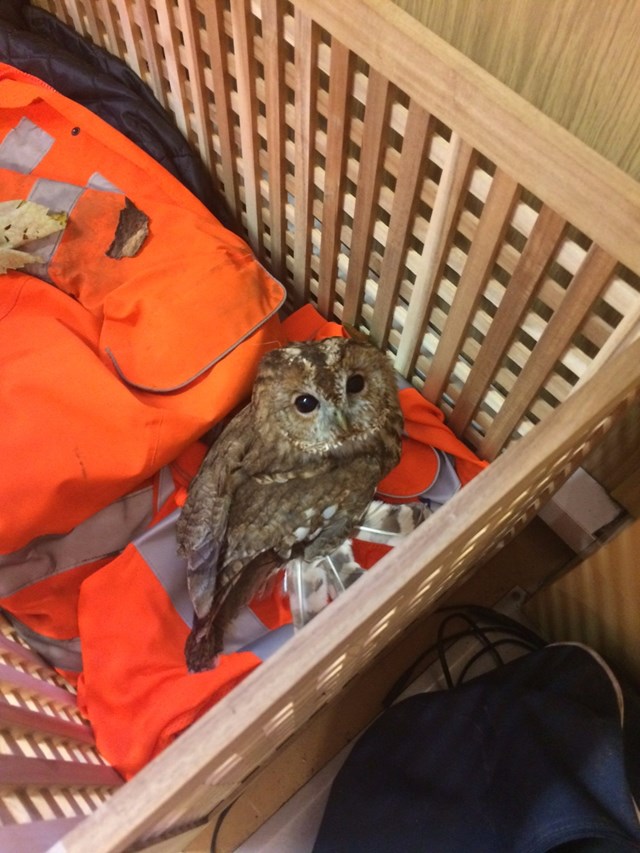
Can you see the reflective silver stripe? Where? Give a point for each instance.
(103, 534)
(247, 632)
(65, 654)
(401, 383)
(159, 550)
(446, 483)
(99, 182)
(57, 196)
(270, 642)
(166, 486)
(24, 147)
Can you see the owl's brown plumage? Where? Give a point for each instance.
(291, 475)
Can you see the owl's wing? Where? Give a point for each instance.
(201, 528)
(202, 546)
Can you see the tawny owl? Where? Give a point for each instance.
(291, 475)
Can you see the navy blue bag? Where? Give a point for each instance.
(540, 754)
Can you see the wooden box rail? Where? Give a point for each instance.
(387, 179)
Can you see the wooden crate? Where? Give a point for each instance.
(382, 176)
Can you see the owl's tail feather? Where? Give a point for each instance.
(234, 590)
(203, 646)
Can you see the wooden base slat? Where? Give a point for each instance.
(26, 720)
(19, 771)
(37, 836)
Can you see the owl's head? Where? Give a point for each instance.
(328, 397)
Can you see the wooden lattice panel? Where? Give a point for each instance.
(51, 775)
(363, 200)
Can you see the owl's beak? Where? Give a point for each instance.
(341, 420)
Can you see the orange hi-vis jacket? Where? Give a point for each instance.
(140, 337)
(110, 370)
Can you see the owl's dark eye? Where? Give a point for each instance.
(355, 383)
(305, 403)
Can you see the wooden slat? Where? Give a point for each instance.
(446, 206)
(588, 282)
(306, 44)
(192, 54)
(75, 16)
(19, 653)
(550, 162)
(28, 685)
(375, 119)
(245, 77)
(112, 41)
(152, 52)
(216, 40)
(175, 71)
(482, 254)
(133, 56)
(21, 772)
(273, 59)
(60, 10)
(36, 836)
(91, 26)
(525, 279)
(404, 199)
(627, 330)
(337, 127)
(25, 720)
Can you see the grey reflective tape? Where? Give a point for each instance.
(158, 548)
(166, 486)
(105, 533)
(446, 483)
(245, 629)
(247, 632)
(24, 147)
(443, 486)
(99, 182)
(269, 643)
(57, 196)
(65, 654)
(401, 383)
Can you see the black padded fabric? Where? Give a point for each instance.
(38, 43)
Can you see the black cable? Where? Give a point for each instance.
(497, 622)
(507, 641)
(495, 617)
(407, 675)
(476, 631)
(214, 838)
